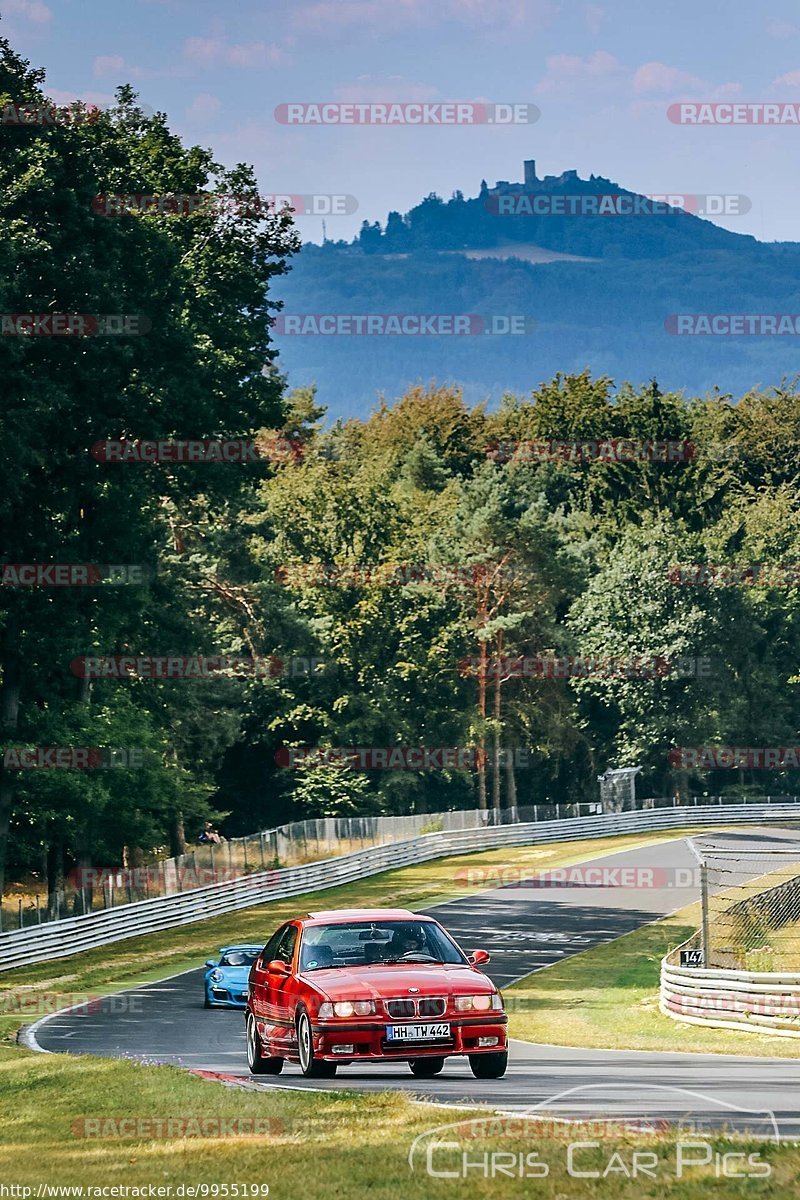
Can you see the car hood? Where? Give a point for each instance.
(376, 982)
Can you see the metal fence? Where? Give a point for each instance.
(95, 889)
(60, 939)
(99, 888)
(750, 908)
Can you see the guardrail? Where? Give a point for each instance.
(93, 888)
(759, 1001)
(63, 938)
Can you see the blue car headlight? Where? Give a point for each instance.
(216, 975)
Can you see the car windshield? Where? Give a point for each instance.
(238, 958)
(370, 943)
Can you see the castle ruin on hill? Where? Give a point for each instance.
(550, 183)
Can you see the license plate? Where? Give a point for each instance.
(417, 1033)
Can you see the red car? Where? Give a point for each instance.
(371, 985)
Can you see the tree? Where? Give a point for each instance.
(203, 280)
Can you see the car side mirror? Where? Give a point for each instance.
(278, 967)
(479, 957)
(210, 962)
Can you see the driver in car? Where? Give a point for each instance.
(405, 941)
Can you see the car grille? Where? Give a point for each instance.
(424, 1006)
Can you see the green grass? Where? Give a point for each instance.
(342, 1146)
(607, 997)
(321, 1146)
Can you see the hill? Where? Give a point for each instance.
(595, 270)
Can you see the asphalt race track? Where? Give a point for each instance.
(525, 928)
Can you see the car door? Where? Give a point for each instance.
(280, 988)
(260, 979)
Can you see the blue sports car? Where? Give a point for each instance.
(225, 980)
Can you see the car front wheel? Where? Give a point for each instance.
(426, 1068)
(489, 1066)
(257, 1061)
(312, 1068)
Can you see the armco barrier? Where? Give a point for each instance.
(760, 1001)
(62, 938)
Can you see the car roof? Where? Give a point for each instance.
(366, 914)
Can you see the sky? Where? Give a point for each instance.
(601, 74)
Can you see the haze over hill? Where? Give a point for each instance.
(589, 270)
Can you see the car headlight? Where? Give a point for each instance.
(354, 1008)
(481, 1002)
(216, 975)
(347, 1008)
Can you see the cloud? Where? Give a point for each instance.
(217, 52)
(565, 70)
(101, 99)
(325, 18)
(109, 64)
(658, 77)
(116, 65)
(203, 106)
(645, 87)
(393, 88)
(34, 10)
(782, 29)
(790, 79)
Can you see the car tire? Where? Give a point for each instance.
(258, 1062)
(312, 1068)
(489, 1066)
(426, 1068)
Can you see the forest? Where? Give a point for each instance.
(413, 586)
